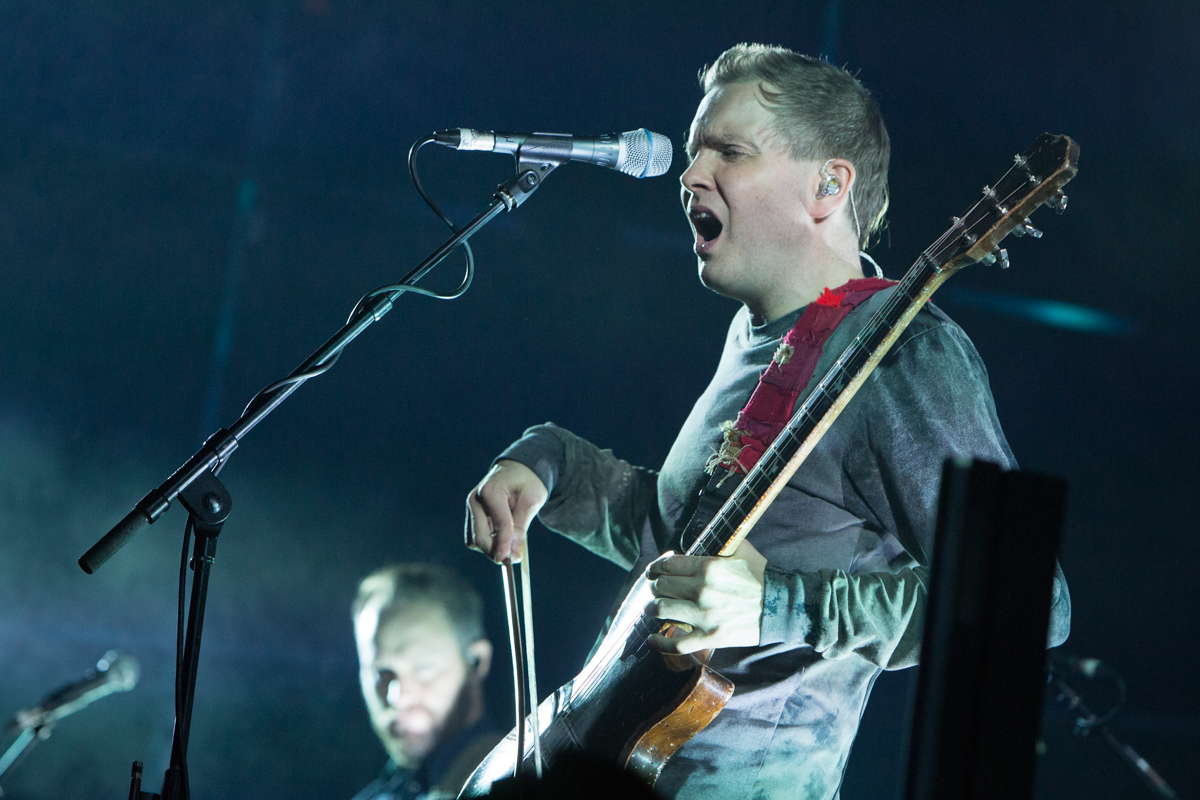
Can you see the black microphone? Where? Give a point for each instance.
(640, 153)
(115, 672)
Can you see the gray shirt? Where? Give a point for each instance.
(847, 543)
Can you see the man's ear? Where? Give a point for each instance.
(479, 658)
(829, 188)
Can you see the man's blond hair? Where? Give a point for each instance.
(821, 112)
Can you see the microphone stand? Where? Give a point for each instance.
(208, 502)
(1088, 722)
(22, 745)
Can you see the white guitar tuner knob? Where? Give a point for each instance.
(1058, 202)
(1026, 227)
(997, 256)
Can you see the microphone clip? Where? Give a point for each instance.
(512, 193)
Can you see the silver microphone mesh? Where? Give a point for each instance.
(644, 154)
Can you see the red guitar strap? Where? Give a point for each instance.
(771, 405)
(773, 400)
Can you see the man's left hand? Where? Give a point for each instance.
(720, 598)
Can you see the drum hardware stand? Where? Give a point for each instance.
(195, 483)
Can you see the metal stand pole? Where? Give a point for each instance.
(214, 452)
(21, 747)
(1087, 724)
(208, 502)
(195, 483)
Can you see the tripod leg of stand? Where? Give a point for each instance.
(135, 785)
(175, 782)
(209, 502)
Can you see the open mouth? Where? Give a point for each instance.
(707, 226)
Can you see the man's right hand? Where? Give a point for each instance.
(500, 509)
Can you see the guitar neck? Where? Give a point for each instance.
(1035, 178)
(817, 413)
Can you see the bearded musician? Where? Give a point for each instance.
(423, 657)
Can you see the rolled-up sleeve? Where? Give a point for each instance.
(596, 499)
(929, 400)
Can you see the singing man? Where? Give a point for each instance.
(785, 186)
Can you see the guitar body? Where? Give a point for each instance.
(633, 707)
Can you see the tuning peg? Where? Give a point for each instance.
(1058, 202)
(997, 256)
(1026, 227)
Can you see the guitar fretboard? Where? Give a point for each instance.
(1034, 178)
(912, 289)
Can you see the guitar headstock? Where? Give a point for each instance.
(1035, 178)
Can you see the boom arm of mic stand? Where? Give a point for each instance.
(214, 452)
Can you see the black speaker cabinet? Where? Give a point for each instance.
(982, 670)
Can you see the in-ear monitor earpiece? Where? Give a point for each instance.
(830, 185)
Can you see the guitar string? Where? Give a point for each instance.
(641, 626)
(644, 625)
(902, 290)
(881, 320)
(822, 395)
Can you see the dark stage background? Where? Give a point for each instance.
(193, 196)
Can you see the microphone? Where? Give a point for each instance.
(640, 153)
(1087, 667)
(115, 672)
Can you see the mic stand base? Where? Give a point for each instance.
(208, 502)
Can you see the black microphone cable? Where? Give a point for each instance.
(391, 288)
(184, 785)
(469, 275)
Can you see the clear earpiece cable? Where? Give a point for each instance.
(858, 231)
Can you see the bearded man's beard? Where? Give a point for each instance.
(415, 748)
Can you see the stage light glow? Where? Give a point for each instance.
(1052, 313)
